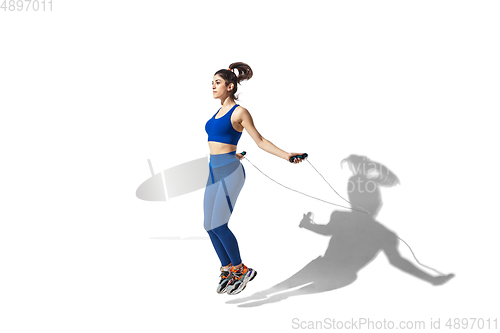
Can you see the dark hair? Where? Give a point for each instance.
(244, 73)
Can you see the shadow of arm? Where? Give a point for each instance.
(322, 229)
(395, 258)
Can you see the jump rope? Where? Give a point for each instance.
(303, 156)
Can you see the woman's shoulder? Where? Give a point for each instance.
(239, 111)
(240, 108)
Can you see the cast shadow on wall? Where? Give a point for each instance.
(356, 238)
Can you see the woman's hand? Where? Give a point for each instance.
(295, 161)
(240, 157)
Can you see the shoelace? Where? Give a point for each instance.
(224, 275)
(237, 275)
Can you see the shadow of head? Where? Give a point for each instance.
(363, 187)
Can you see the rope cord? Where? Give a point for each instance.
(331, 203)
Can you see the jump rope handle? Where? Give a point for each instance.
(297, 156)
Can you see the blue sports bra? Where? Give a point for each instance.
(221, 129)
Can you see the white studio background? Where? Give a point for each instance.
(91, 90)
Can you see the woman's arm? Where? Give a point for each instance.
(247, 123)
(272, 149)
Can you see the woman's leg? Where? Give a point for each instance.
(225, 261)
(229, 243)
(231, 182)
(208, 207)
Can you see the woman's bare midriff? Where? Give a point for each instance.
(217, 148)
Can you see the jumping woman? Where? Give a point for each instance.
(227, 174)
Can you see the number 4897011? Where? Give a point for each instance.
(472, 323)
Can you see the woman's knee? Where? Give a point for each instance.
(221, 230)
(207, 226)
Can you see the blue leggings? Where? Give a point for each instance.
(225, 181)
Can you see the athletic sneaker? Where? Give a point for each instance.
(225, 277)
(240, 278)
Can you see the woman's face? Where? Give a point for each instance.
(219, 88)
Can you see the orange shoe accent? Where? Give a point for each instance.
(243, 271)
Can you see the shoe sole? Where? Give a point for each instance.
(221, 291)
(247, 279)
